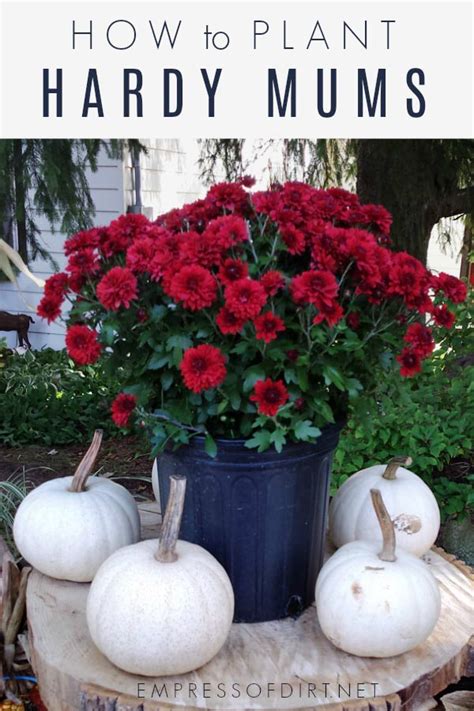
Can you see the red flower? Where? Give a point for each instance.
(375, 216)
(230, 197)
(122, 232)
(267, 326)
(232, 270)
(117, 288)
(87, 239)
(293, 238)
(454, 288)
(203, 367)
(57, 285)
(168, 251)
(82, 344)
(140, 254)
(227, 231)
(292, 355)
(122, 408)
(353, 320)
(194, 286)
(442, 316)
(245, 298)
(331, 313)
(272, 282)
(410, 362)
(420, 338)
(228, 322)
(269, 395)
(314, 287)
(84, 262)
(49, 307)
(199, 249)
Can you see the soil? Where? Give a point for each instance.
(126, 459)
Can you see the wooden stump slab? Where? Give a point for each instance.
(285, 665)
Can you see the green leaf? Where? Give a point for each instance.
(158, 312)
(167, 380)
(278, 439)
(157, 361)
(260, 440)
(252, 375)
(210, 446)
(177, 341)
(306, 431)
(333, 376)
(303, 379)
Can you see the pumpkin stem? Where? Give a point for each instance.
(85, 466)
(388, 531)
(391, 468)
(172, 520)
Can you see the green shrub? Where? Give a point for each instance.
(46, 399)
(430, 418)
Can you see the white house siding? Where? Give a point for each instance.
(108, 194)
(169, 174)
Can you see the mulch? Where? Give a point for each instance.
(127, 459)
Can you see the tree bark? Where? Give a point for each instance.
(20, 200)
(416, 181)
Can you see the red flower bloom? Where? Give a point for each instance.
(267, 326)
(299, 403)
(194, 286)
(228, 322)
(272, 282)
(331, 313)
(167, 255)
(140, 254)
(117, 288)
(84, 262)
(203, 367)
(87, 239)
(410, 362)
(420, 338)
(200, 249)
(227, 231)
(454, 288)
(82, 344)
(49, 307)
(122, 408)
(245, 298)
(442, 316)
(269, 395)
(314, 287)
(232, 270)
(57, 285)
(353, 320)
(122, 232)
(230, 197)
(292, 355)
(293, 238)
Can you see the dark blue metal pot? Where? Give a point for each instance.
(263, 516)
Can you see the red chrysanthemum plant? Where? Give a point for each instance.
(249, 315)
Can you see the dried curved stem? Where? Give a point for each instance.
(388, 531)
(84, 469)
(172, 521)
(391, 468)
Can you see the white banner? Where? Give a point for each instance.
(203, 69)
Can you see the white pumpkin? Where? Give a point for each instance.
(67, 527)
(411, 504)
(375, 604)
(161, 610)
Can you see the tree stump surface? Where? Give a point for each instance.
(257, 658)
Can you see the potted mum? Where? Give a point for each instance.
(241, 326)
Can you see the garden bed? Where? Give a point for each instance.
(126, 458)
